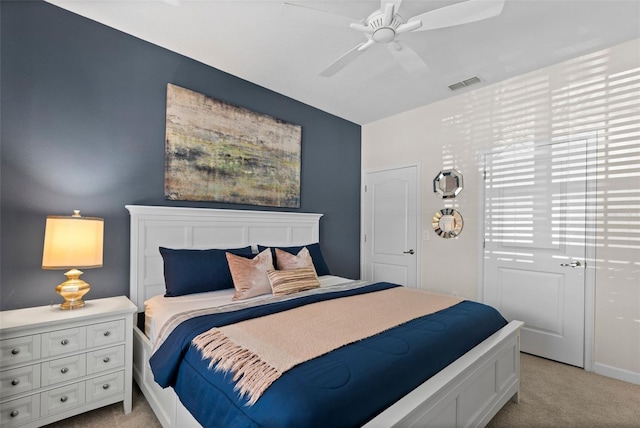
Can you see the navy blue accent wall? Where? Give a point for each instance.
(82, 127)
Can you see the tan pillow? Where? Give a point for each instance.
(293, 280)
(250, 275)
(286, 261)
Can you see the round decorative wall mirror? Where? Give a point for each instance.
(448, 183)
(447, 223)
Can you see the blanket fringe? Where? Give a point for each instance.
(252, 375)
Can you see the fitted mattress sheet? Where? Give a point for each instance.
(160, 309)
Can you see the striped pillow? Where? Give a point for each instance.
(292, 280)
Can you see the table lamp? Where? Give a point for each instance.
(72, 242)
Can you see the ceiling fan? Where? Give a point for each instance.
(384, 25)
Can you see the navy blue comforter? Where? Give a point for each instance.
(346, 387)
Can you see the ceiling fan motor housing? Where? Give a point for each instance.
(383, 33)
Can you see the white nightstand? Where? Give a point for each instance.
(55, 364)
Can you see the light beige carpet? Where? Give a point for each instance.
(558, 395)
(113, 416)
(551, 395)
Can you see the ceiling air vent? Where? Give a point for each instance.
(465, 83)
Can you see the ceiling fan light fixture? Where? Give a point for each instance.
(384, 35)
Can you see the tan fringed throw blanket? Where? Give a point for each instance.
(259, 350)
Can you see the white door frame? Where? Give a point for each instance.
(418, 216)
(590, 238)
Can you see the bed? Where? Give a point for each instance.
(467, 392)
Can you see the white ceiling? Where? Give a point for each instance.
(284, 51)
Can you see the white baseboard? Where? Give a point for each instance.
(616, 373)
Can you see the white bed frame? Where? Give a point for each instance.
(469, 392)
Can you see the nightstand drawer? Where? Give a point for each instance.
(104, 386)
(20, 411)
(63, 369)
(19, 350)
(105, 333)
(105, 359)
(23, 379)
(63, 398)
(64, 341)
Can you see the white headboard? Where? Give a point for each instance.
(200, 228)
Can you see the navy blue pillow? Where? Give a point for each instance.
(314, 251)
(197, 271)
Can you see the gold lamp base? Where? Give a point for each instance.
(72, 290)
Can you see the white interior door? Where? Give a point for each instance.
(534, 257)
(390, 226)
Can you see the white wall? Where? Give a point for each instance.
(597, 93)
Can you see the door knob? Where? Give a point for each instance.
(409, 252)
(572, 264)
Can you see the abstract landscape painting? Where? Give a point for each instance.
(224, 153)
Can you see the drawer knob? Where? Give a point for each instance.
(63, 399)
(15, 382)
(15, 351)
(107, 333)
(64, 370)
(14, 413)
(106, 359)
(64, 342)
(105, 386)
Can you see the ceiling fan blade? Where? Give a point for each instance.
(459, 13)
(361, 27)
(396, 4)
(343, 61)
(409, 26)
(319, 16)
(366, 45)
(388, 15)
(409, 59)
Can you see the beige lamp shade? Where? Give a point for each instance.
(73, 242)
